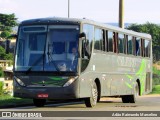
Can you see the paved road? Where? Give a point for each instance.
(144, 103)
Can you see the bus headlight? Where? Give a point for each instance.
(70, 81)
(19, 81)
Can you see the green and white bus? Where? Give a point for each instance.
(65, 58)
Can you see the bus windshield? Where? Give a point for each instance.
(47, 48)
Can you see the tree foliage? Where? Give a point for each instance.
(1, 72)
(7, 21)
(1, 88)
(4, 56)
(154, 31)
(5, 34)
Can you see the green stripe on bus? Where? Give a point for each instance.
(142, 68)
(130, 77)
(141, 75)
(130, 86)
(56, 78)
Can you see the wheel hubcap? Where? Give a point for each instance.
(94, 94)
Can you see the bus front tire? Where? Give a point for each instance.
(92, 101)
(39, 102)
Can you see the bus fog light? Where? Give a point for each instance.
(19, 81)
(70, 81)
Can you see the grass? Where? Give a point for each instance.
(156, 89)
(156, 71)
(156, 75)
(7, 100)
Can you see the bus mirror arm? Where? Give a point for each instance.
(12, 36)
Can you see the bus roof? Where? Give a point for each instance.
(75, 21)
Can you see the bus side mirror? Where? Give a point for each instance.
(12, 36)
(81, 35)
(84, 44)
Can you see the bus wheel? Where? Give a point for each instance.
(131, 98)
(136, 94)
(39, 102)
(92, 101)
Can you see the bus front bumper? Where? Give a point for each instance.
(43, 92)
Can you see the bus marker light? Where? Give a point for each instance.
(42, 95)
(94, 67)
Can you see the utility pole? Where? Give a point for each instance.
(121, 13)
(68, 8)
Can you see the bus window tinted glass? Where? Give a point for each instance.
(130, 45)
(98, 39)
(37, 41)
(121, 43)
(146, 49)
(103, 41)
(89, 31)
(110, 41)
(138, 46)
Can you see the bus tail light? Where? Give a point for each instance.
(70, 81)
(19, 81)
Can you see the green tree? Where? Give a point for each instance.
(154, 31)
(4, 56)
(7, 21)
(5, 34)
(1, 72)
(1, 87)
(2, 53)
(9, 56)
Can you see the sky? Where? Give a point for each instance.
(105, 11)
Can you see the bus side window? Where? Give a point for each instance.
(98, 39)
(149, 49)
(89, 31)
(130, 45)
(115, 39)
(110, 41)
(107, 47)
(146, 48)
(121, 42)
(87, 45)
(125, 44)
(142, 48)
(138, 47)
(104, 41)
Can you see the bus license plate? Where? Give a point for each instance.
(42, 95)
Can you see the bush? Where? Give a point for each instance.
(1, 72)
(156, 77)
(1, 87)
(5, 34)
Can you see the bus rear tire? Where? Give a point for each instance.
(128, 99)
(92, 101)
(131, 98)
(39, 102)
